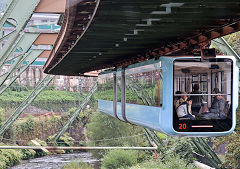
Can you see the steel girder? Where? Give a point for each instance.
(225, 47)
(19, 11)
(7, 10)
(42, 85)
(23, 45)
(21, 67)
(75, 114)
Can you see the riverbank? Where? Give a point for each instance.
(57, 161)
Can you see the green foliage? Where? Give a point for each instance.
(232, 158)
(233, 40)
(17, 87)
(39, 153)
(51, 100)
(172, 162)
(102, 130)
(82, 115)
(9, 157)
(162, 136)
(77, 165)
(180, 146)
(28, 125)
(119, 159)
(30, 128)
(65, 140)
(232, 142)
(2, 111)
(28, 154)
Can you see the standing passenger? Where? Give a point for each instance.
(197, 100)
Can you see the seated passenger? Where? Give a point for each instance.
(215, 91)
(176, 99)
(184, 110)
(217, 109)
(197, 100)
(181, 100)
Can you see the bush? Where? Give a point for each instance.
(27, 154)
(119, 159)
(39, 153)
(65, 140)
(102, 130)
(77, 165)
(10, 158)
(172, 162)
(180, 146)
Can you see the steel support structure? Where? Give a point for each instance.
(22, 46)
(205, 150)
(17, 16)
(41, 85)
(7, 10)
(20, 68)
(224, 47)
(75, 114)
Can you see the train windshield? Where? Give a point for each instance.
(203, 93)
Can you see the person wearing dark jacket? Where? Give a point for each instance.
(197, 99)
(217, 109)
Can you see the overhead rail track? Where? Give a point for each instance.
(113, 33)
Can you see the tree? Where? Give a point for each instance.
(104, 130)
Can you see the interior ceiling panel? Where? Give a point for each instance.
(114, 33)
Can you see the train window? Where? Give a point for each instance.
(144, 85)
(202, 95)
(105, 87)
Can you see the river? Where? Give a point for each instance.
(57, 161)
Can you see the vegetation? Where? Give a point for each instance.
(231, 142)
(28, 154)
(39, 153)
(77, 165)
(119, 159)
(9, 157)
(64, 141)
(102, 130)
(173, 162)
(52, 100)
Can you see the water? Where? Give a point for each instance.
(56, 161)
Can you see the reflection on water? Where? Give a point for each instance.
(56, 161)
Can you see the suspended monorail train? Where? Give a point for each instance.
(156, 94)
